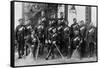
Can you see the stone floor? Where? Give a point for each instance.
(29, 60)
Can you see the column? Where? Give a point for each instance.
(88, 15)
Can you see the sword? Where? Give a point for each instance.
(59, 51)
(37, 52)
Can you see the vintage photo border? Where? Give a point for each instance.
(12, 61)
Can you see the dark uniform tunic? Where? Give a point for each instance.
(83, 31)
(34, 44)
(74, 27)
(44, 22)
(40, 34)
(75, 38)
(60, 31)
(91, 38)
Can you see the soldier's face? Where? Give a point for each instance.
(28, 22)
(82, 22)
(53, 16)
(76, 32)
(61, 15)
(54, 30)
(21, 22)
(66, 23)
(74, 20)
(42, 13)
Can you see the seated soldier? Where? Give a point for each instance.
(34, 43)
(52, 42)
(76, 43)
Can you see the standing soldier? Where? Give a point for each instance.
(76, 43)
(52, 23)
(20, 31)
(66, 39)
(61, 20)
(83, 36)
(60, 26)
(43, 21)
(91, 39)
(40, 34)
(75, 37)
(82, 29)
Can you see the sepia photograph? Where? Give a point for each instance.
(53, 33)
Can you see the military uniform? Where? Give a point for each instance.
(34, 44)
(52, 24)
(28, 42)
(60, 26)
(60, 37)
(40, 34)
(43, 20)
(76, 44)
(76, 39)
(84, 41)
(20, 33)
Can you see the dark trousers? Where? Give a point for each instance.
(42, 44)
(66, 46)
(73, 48)
(91, 49)
(21, 49)
(34, 49)
(83, 49)
(27, 50)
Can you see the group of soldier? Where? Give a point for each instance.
(55, 35)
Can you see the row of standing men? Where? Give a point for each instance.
(56, 34)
